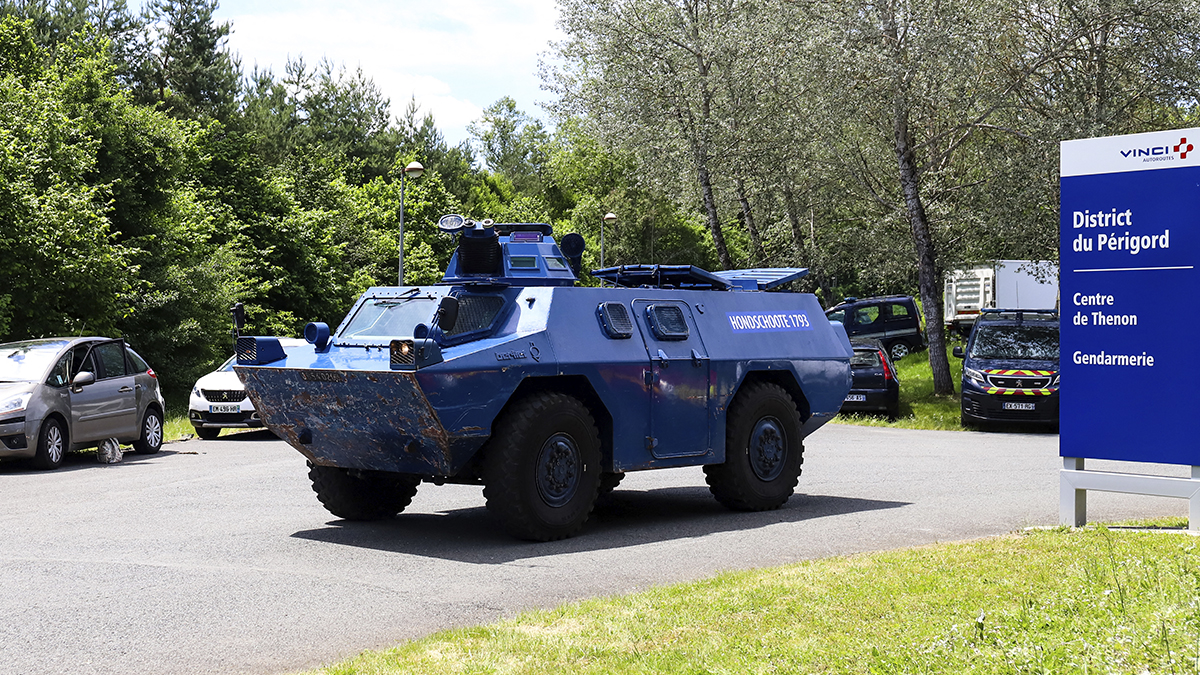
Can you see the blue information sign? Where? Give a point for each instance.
(1129, 246)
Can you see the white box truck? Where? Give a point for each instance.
(1005, 284)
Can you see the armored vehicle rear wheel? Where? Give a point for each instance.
(763, 450)
(362, 495)
(542, 467)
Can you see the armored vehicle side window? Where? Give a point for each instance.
(523, 262)
(667, 322)
(390, 317)
(555, 263)
(476, 312)
(614, 318)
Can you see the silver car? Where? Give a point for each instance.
(60, 394)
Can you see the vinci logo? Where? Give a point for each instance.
(1187, 147)
(1161, 153)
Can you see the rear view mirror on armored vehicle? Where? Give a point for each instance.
(447, 314)
(239, 315)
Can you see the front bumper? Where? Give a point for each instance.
(16, 439)
(245, 419)
(982, 407)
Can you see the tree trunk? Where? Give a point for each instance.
(758, 253)
(789, 203)
(710, 208)
(928, 282)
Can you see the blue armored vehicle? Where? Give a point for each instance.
(508, 374)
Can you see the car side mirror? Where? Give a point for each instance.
(958, 353)
(447, 313)
(83, 379)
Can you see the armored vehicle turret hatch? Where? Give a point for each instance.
(509, 374)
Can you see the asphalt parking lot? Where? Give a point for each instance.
(215, 556)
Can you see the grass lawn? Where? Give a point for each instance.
(1052, 601)
(919, 408)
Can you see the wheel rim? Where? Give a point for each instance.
(899, 351)
(768, 446)
(559, 466)
(54, 444)
(153, 431)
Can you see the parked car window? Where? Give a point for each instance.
(136, 363)
(82, 361)
(112, 359)
(27, 361)
(60, 375)
(866, 315)
(839, 315)
(1016, 342)
(865, 358)
(900, 312)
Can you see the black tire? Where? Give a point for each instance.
(899, 349)
(893, 412)
(541, 470)
(151, 439)
(609, 481)
(763, 450)
(207, 433)
(362, 495)
(52, 445)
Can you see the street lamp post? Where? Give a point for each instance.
(609, 217)
(415, 170)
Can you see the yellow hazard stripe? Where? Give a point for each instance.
(1020, 392)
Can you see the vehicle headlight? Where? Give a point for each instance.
(15, 403)
(1054, 380)
(196, 391)
(974, 376)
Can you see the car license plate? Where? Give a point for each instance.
(856, 397)
(226, 408)
(1012, 405)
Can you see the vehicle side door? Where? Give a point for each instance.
(868, 321)
(900, 321)
(108, 407)
(678, 378)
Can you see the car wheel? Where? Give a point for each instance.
(52, 445)
(542, 468)
(152, 433)
(966, 422)
(207, 433)
(763, 450)
(362, 495)
(898, 350)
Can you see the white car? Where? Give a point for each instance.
(219, 401)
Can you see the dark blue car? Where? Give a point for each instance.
(1010, 368)
(875, 388)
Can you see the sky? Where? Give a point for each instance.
(455, 56)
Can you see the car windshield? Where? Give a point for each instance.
(1039, 343)
(227, 367)
(865, 358)
(390, 317)
(28, 361)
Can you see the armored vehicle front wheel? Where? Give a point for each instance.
(362, 495)
(542, 467)
(763, 450)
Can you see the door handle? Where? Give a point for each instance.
(662, 358)
(137, 386)
(124, 390)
